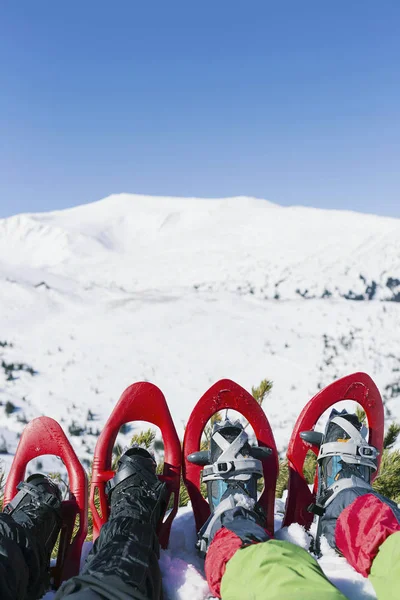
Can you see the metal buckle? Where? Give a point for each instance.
(223, 467)
(367, 451)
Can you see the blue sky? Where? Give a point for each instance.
(296, 102)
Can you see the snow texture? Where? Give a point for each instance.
(244, 501)
(183, 292)
(183, 571)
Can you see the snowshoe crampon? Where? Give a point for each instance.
(45, 436)
(358, 387)
(139, 402)
(226, 394)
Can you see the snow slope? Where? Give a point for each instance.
(183, 292)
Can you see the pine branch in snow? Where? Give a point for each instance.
(361, 416)
(391, 435)
(260, 392)
(144, 438)
(388, 480)
(183, 494)
(310, 467)
(283, 478)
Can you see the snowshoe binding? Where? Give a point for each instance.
(232, 468)
(141, 401)
(358, 387)
(36, 508)
(345, 460)
(39, 496)
(344, 454)
(135, 490)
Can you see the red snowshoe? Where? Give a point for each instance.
(140, 402)
(226, 394)
(45, 436)
(358, 387)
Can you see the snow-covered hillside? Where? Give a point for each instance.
(183, 292)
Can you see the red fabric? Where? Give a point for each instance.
(222, 548)
(361, 528)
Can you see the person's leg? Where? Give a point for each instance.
(278, 571)
(123, 564)
(14, 570)
(365, 527)
(355, 520)
(29, 527)
(385, 570)
(241, 562)
(241, 559)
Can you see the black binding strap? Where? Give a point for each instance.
(316, 509)
(130, 466)
(39, 495)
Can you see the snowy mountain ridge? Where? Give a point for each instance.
(276, 251)
(183, 292)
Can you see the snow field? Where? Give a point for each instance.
(182, 293)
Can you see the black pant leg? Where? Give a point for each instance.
(123, 565)
(23, 574)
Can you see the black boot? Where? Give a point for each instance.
(135, 491)
(33, 520)
(124, 559)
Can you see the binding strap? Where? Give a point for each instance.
(227, 466)
(130, 466)
(39, 496)
(355, 450)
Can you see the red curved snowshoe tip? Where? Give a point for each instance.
(228, 394)
(44, 436)
(141, 401)
(358, 387)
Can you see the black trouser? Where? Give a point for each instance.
(123, 564)
(23, 568)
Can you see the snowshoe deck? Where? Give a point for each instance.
(358, 387)
(227, 394)
(44, 436)
(139, 402)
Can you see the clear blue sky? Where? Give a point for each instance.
(294, 101)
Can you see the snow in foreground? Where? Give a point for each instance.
(183, 570)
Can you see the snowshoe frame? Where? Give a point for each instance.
(42, 436)
(227, 394)
(358, 387)
(141, 401)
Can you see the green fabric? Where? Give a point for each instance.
(276, 570)
(385, 570)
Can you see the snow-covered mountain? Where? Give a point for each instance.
(184, 291)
